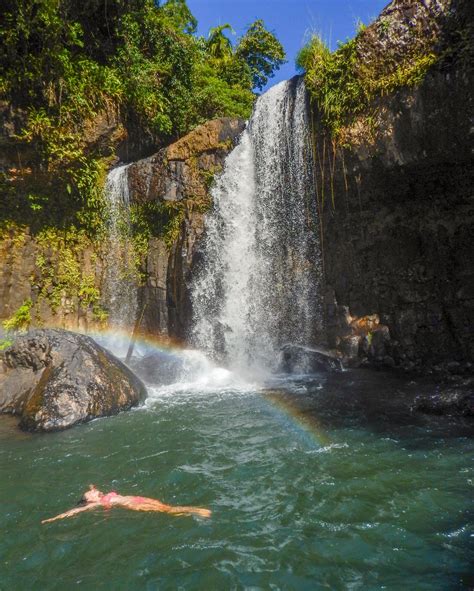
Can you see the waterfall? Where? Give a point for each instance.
(120, 288)
(257, 286)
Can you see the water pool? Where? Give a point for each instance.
(314, 483)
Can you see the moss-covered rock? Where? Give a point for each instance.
(58, 270)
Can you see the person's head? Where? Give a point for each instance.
(93, 495)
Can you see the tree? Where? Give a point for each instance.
(218, 45)
(262, 52)
(178, 12)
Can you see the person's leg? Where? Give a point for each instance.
(189, 511)
(155, 505)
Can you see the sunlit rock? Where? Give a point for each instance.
(54, 379)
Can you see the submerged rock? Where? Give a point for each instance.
(457, 400)
(295, 358)
(54, 379)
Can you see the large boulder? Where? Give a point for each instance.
(298, 359)
(54, 379)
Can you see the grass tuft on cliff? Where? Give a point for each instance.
(345, 83)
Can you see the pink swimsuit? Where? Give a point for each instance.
(106, 500)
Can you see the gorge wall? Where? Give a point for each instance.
(398, 205)
(180, 175)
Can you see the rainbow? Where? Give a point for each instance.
(306, 423)
(285, 406)
(157, 343)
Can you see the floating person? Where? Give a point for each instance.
(94, 498)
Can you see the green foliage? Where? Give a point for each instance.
(66, 63)
(65, 68)
(384, 25)
(61, 278)
(155, 60)
(216, 97)
(345, 86)
(218, 45)
(208, 176)
(180, 16)
(155, 219)
(61, 274)
(21, 319)
(43, 199)
(5, 343)
(176, 212)
(88, 293)
(312, 55)
(333, 81)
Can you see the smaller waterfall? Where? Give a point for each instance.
(120, 289)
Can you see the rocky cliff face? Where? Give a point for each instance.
(399, 209)
(57, 282)
(396, 207)
(180, 175)
(46, 282)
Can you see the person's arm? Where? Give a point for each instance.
(72, 512)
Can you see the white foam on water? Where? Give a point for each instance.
(200, 376)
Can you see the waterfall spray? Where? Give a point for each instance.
(258, 286)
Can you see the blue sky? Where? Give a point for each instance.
(291, 20)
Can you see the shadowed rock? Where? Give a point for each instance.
(456, 400)
(158, 368)
(398, 233)
(54, 379)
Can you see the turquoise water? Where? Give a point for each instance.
(313, 483)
